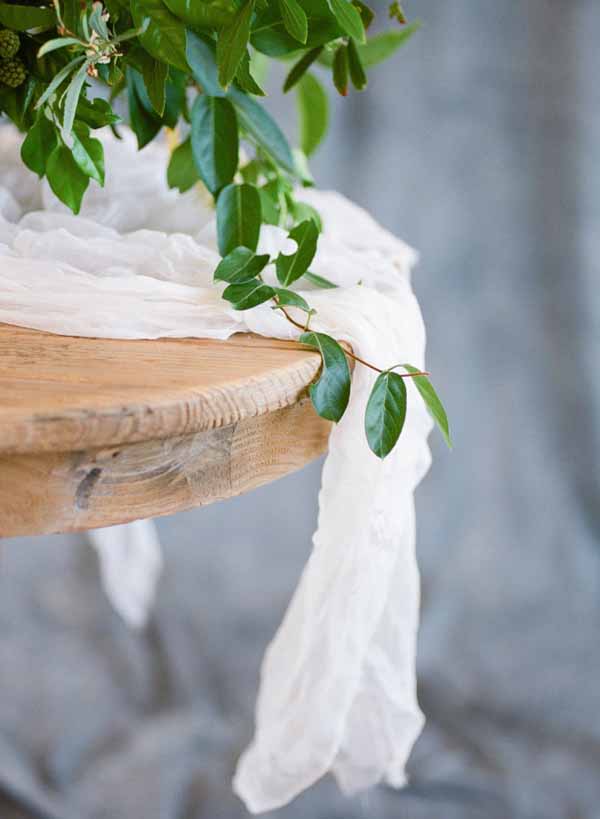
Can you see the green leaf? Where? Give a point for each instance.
(238, 218)
(313, 113)
(163, 35)
(203, 14)
(71, 13)
(66, 178)
(432, 402)
(182, 173)
(288, 298)
(96, 114)
(39, 143)
(56, 43)
(175, 103)
(215, 145)
(155, 75)
(294, 19)
(302, 210)
(319, 281)
(72, 99)
(357, 72)
(251, 171)
(259, 66)
(385, 414)
(232, 42)
(379, 47)
(15, 103)
(23, 18)
(201, 57)
(248, 294)
(383, 45)
(340, 70)
(116, 8)
(270, 36)
(88, 153)
(302, 168)
(366, 13)
(263, 129)
(241, 265)
(145, 123)
(129, 34)
(349, 18)
(245, 80)
(58, 79)
(97, 23)
(301, 67)
(269, 203)
(331, 392)
(292, 267)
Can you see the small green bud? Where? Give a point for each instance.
(9, 44)
(13, 72)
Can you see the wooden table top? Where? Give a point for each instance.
(96, 431)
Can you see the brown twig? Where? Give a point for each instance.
(349, 352)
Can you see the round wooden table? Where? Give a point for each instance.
(95, 432)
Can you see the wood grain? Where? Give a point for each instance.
(95, 432)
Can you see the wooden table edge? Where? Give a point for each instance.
(74, 473)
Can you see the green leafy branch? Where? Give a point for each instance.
(197, 67)
(241, 269)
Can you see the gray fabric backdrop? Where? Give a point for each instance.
(478, 145)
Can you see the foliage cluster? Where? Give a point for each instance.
(197, 67)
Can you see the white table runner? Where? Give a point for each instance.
(337, 691)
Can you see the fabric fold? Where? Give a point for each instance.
(130, 566)
(337, 686)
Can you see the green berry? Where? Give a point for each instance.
(12, 72)
(9, 44)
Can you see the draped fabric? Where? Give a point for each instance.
(480, 146)
(338, 686)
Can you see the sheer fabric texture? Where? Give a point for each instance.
(337, 690)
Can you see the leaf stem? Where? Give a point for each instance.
(404, 375)
(350, 353)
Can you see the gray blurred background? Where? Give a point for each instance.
(479, 145)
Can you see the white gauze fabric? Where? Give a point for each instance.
(131, 563)
(337, 691)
